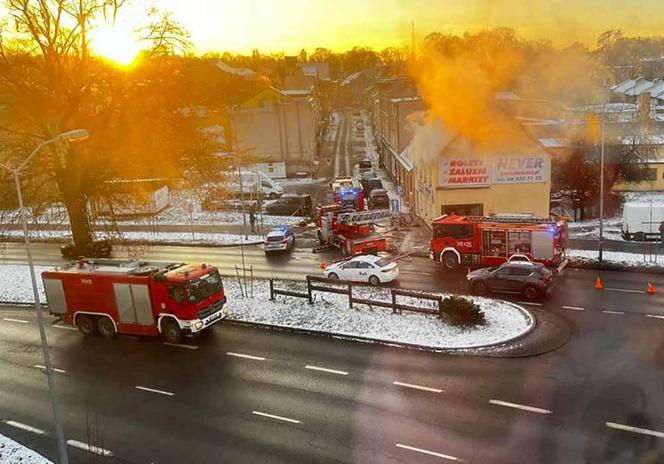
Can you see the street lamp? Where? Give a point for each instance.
(71, 136)
(601, 189)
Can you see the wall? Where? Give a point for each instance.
(646, 185)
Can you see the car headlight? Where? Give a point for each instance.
(198, 325)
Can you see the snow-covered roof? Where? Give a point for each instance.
(657, 89)
(405, 99)
(650, 139)
(537, 121)
(623, 86)
(350, 79)
(242, 72)
(553, 142)
(506, 95)
(641, 85)
(296, 92)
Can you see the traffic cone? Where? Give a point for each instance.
(598, 284)
(323, 264)
(651, 288)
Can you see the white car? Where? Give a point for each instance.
(365, 268)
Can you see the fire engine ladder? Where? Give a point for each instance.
(524, 219)
(363, 217)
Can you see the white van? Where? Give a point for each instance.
(641, 221)
(252, 183)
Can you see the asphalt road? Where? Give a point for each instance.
(246, 395)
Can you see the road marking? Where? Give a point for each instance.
(64, 327)
(272, 416)
(575, 308)
(606, 311)
(89, 447)
(161, 392)
(324, 369)
(9, 319)
(417, 387)
(22, 426)
(520, 406)
(430, 453)
(529, 303)
(625, 290)
(180, 345)
(245, 356)
(55, 369)
(656, 316)
(629, 428)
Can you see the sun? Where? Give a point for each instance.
(115, 43)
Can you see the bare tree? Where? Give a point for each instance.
(164, 34)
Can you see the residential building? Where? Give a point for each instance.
(277, 127)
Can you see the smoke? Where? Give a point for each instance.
(459, 77)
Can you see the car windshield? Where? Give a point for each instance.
(199, 289)
(382, 262)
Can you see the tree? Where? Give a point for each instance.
(164, 34)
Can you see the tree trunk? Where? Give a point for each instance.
(79, 221)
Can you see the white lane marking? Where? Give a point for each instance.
(55, 369)
(430, 453)
(245, 356)
(161, 392)
(575, 308)
(629, 428)
(606, 311)
(180, 345)
(272, 416)
(89, 447)
(625, 290)
(22, 426)
(417, 387)
(64, 327)
(324, 369)
(9, 319)
(520, 406)
(529, 303)
(656, 316)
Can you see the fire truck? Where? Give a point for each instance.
(348, 192)
(349, 230)
(139, 298)
(492, 240)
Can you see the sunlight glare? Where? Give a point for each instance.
(116, 43)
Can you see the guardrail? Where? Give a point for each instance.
(345, 287)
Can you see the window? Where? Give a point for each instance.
(471, 209)
(457, 231)
(266, 184)
(176, 292)
(651, 174)
(364, 265)
(351, 265)
(521, 271)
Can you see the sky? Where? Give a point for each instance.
(289, 25)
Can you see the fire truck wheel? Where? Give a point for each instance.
(105, 327)
(86, 324)
(530, 292)
(374, 280)
(170, 331)
(450, 260)
(480, 288)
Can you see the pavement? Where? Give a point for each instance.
(239, 394)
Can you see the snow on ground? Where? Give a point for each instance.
(12, 452)
(330, 313)
(300, 181)
(590, 228)
(621, 258)
(165, 237)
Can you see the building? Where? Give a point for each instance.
(277, 127)
(464, 178)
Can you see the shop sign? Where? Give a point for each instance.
(520, 169)
(460, 173)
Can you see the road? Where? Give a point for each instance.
(246, 395)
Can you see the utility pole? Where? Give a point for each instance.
(601, 188)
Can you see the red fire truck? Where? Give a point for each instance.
(492, 240)
(138, 298)
(349, 230)
(348, 193)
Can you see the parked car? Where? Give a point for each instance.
(365, 164)
(368, 184)
(364, 268)
(279, 239)
(97, 249)
(291, 204)
(532, 280)
(378, 199)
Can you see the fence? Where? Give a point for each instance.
(345, 287)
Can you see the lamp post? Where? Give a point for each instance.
(601, 189)
(71, 136)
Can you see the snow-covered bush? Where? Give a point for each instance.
(461, 312)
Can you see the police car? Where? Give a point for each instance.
(279, 239)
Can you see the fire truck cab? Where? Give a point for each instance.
(492, 240)
(134, 297)
(348, 193)
(350, 231)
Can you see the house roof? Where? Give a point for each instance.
(640, 86)
(242, 72)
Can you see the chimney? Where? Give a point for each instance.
(644, 105)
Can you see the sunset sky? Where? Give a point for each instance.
(289, 25)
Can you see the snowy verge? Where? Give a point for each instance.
(13, 452)
(330, 313)
(617, 259)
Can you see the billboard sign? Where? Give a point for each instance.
(520, 169)
(479, 172)
(462, 173)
